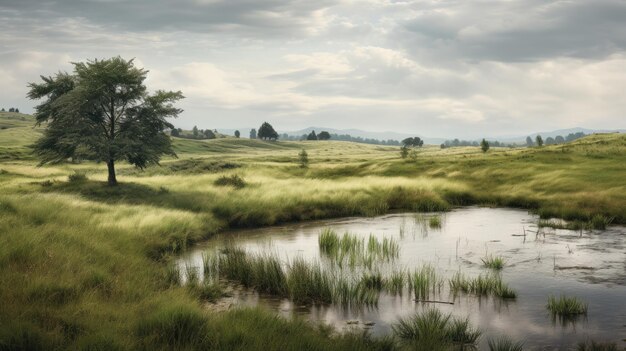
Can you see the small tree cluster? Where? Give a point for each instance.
(267, 132)
(484, 145)
(413, 142)
(312, 136)
(252, 133)
(11, 109)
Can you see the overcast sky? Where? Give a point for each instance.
(450, 68)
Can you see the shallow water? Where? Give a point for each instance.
(588, 265)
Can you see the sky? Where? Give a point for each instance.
(446, 68)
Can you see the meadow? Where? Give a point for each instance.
(85, 266)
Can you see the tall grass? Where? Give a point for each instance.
(491, 284)
(493, 262)
(566, 306)
(432, 330)
(352, 251)
(424, 281)
(504, 343)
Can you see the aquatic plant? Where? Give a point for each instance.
(424, 281)
(396, 282)
(566, 306)
(491, 284)
(592, 345)
(432, 329)
(434, 222)
(504, 343)
(493, 262)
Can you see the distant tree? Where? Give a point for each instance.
(11, 109)
(2, 110)
(559, 139)
(102, 112)
(195, 131)
(311, 136)
(237, 134)
(456, 142)
(17, 110)
(303, 159)
(539, 140)
(175, 133)
(323, 135)
(413, 142)
(252, 133)
(484, 145)
(529, 141)
(550, 141)
(574, 136)
(404, 151)
(266, 131)
(443, 146)
(209, 134)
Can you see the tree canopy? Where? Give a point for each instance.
(237, 134)
(266, 131)
(312, 136)
(103, 112)
(252, 133)
(413, 142)
(324, 135)
(484, 145)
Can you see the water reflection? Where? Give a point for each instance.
(539, 263)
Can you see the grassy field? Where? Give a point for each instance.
(84, 265)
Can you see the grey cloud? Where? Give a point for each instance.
(254, 18)
(517, 30)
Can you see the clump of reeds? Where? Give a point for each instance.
(353, 251)
(396, 282)
(493, 262)
(423, 282)
(481, 285)
(434, 222)
(566, 306)
(504, 344)
(432, 329)
(172, 275)
(597, 346)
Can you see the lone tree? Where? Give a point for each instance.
(413, 142)
(484, 145)
(323, 135)
(539, 140)
(209, 134)
(237, 134)
(103, 112)
(252, 133)
(266, 131)
(312, 136)
(404, 151)
(175, 133)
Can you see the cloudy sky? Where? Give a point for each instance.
(449, 68)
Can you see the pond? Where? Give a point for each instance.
(539, 262)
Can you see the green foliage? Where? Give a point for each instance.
(232, 180)
(102, 112)
(566, 306)
(539, 140)
(504, 343)
(493, 262)
(303, 158)
(77, 177)
(311, 136)
(237, 134)
(266, 131)
(404, 152)
(413, 142)
(324, 135)
(433, 330)
(434, 222)
(592, 345)
(484, 145)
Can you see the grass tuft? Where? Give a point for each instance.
(493, 262)
(504, 344)
(566, 306)
(233, 180)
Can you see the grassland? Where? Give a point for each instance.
(85, 266)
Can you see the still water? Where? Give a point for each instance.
(590, 265)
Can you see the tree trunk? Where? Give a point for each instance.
(111, 167)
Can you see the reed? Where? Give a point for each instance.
(482, 285)
(432, 329)
(423, 282)
(566, 306)
(434, 222)
(493, 262)
(396, 282)
(308, 283)
(504, 343)
(592, 345)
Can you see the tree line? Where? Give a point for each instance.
(11, 109)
